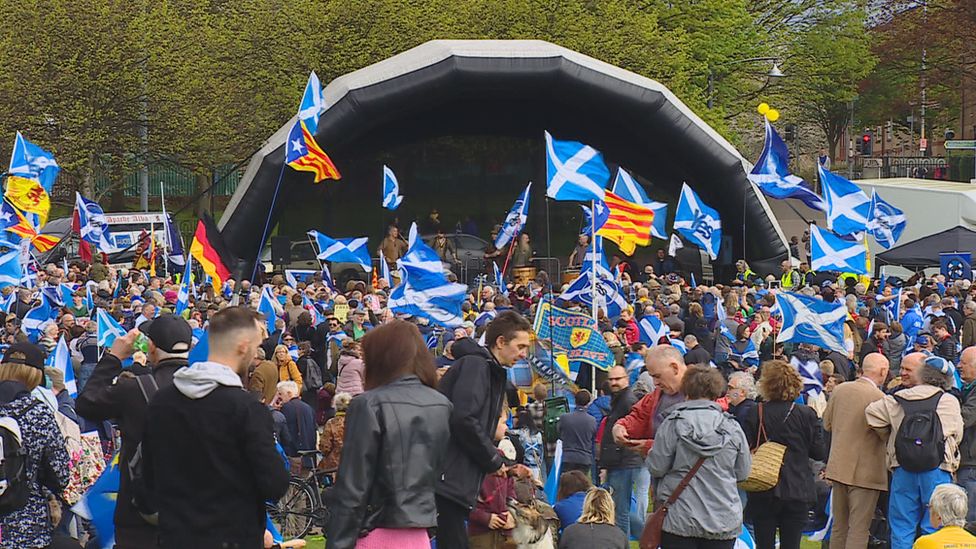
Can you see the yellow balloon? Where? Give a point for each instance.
(772, 115)
(763, 108)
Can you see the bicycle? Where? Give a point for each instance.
(303, 505)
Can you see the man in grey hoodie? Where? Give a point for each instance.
(210, 457)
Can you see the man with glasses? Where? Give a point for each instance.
(620, 466)
(741, 393)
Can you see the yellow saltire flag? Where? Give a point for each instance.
(29, 196)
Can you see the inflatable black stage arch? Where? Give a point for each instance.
(519, 88)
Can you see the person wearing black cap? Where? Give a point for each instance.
(113, 392)
(21, 371)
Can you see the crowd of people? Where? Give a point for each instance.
(426, 435)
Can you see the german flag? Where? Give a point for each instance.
(208, 248)
(304, 154)
(629, 224)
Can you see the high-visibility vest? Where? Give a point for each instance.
(786, 281)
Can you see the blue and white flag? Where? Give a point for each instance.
(67, 294)
(830, 252)
(515, 220)
(391, 190)
(98, 503)
(679, 345)
(93, 225)
(848, 207)
(823, 534)
(744, 541)
(8, 303)
(174, 240)
(551, 488)
(608, 296)
(885, 221)
(772, 173)
(574, 334)
(385, 273)
(108, 328)
(343, 250)
(698, 223)
(652, 329)
(810, 320)
(11, 270)
(310, 109)
(327, 279)
(499, 280)
(183, 296)
(627, 188)
(89, 300)
(38, 318)
(30, 161)
(591, 225)
(270, 308)
(62, 361)
(8, 218)
(574, 171)
(424, 289)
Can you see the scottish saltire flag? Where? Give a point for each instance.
(744, 541)
(98, 504)
(698, 223)
(310, 109)
(515, 219)
(551, 488)
(92, 224)
(32, 162)
(679, 345)
(830, 252)
(748, 356)
(573, 334)
(499, 280)
(674, 244)
(327, 279)
(174, 240)
(89, 300)
(343, 250)
(885, 221)
(183, 296)
(38, 318)
(809, 320)
(574, 171)
(8, 218)
(108, 328)
(11, 270)
(772, 173)
(602, 215)
(607, 292)
(53, 295)
(67, 294)
(823, 534)
(848, 207)
(627, 188)
(385, 273)
(391, 190)
(62, 361)
(270, 308)
(431, 341)
(594, 254)
(424, 289)
(810, 373)
(9, 302)
(302, 152)
(652, 329)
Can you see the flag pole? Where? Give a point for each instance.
(267, 222)
(167, 247)
(593, 272)
(548, 290)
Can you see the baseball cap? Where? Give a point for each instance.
(24, 353)
(169, 332)
(922, 339)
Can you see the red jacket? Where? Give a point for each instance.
(632, 335)
(640, 421)
(493, 498)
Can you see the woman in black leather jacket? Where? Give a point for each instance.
(393, 452)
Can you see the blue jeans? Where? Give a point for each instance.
(966, 477)
(908, 504)
(622, 483)
(638, 513)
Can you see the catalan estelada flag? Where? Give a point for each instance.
(304, 154)
(25, 229)
(628, 224)
(209, 250)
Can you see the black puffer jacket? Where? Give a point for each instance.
(475, 384)
(392, 457)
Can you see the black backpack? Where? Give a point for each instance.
(313, 375)
(137, 479)
(14, 479)
(920, 443)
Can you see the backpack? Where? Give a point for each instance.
(137, 479)
(14, 479)
(313, 375)
(920, 443)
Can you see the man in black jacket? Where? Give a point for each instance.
(621, 466)
(113, 392)
(210, 457)
(475, 385)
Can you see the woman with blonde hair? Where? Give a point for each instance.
(21, 371)
(596, 526)
(287, 369)
(780, 419)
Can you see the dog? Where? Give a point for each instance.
(532, 529)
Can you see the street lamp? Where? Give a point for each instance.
(774, 72)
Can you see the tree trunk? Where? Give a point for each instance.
(203, 200)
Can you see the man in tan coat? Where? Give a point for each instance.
(856, 454)
(926, 379)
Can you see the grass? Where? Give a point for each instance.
(318, 542)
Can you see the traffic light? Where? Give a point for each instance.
(790, 132)
(867, 143)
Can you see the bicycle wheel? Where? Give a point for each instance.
(294, 512)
